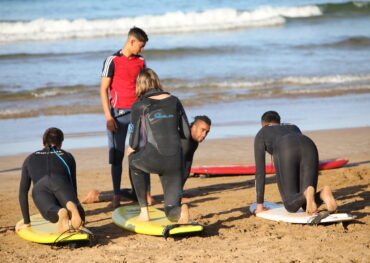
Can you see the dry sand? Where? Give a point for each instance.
(231, 233)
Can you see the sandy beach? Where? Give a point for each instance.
(232, 233)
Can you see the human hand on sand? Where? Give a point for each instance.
(21, 226)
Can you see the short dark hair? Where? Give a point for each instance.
(271, 116)
(204, 118)
(53, 137)
(139, 34)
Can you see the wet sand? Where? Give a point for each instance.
(232, 233)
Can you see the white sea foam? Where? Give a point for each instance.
(172, 22)
(290, 81)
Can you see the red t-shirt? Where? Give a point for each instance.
(123, 71)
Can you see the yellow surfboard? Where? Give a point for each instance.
(45, 232)
(126, 217)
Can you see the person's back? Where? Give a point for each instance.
(269, 135)
(162, 124)
(46, 162)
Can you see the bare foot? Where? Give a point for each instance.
(184, 217)
(327, 196)
(309, 194)
(63, 220)
(116, 201)
(92, 197)
(76, 220)
(144, 214)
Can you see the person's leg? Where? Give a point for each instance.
(309, 173)
(63, 220)
(49, 206)
(309, 170)
(287, 159)
(138, 178)
(116, 142)
(76, 220)
(139, 181)
(81, 211)
(326, 195)
(46, 203)
(171, 180)
(148, 187)
(66, 196)
(187, 169)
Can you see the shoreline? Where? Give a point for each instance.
(102, 136)
(229, 120)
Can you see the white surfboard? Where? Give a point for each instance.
(277, 212)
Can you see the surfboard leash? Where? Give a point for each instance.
(59, 240)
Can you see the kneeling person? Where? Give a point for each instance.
(296, 163)
(53, 174)
(158, 122)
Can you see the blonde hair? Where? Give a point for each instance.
(147, 80)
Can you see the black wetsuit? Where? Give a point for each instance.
(53, 174)
(157, 127)
(189, 146)
(296, 163)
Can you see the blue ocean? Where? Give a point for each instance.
(231, 60)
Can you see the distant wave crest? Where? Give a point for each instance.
(172, 22)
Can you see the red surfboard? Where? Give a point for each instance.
(251, 169)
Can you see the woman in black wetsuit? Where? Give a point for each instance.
(158, 122)
(296, 163)
(53, 174)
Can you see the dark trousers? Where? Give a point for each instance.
(50, 194)
(170, 170)
(296, 162)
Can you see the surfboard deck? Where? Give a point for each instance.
(251, 169)
(278, 213)
(126, 217)
(45, 232)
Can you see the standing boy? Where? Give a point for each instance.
(117, 91)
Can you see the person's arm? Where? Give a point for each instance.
(104, 95)
(24, 187)
(105, 84)
(134, 129)
(259, 156)
(184, 123)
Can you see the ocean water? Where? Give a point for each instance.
(230, 59)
